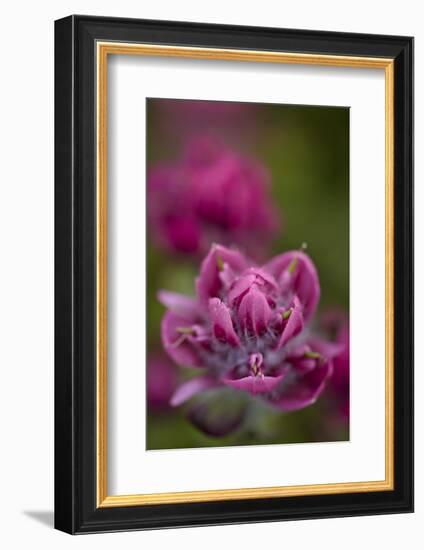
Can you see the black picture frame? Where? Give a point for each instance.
(76, 510)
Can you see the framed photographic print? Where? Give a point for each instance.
(234, 274)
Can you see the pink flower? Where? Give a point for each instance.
(247, 329)
(161, 381)
(210, 194)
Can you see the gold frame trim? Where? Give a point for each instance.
(103, 50)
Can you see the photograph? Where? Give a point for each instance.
(233, 274)
(210, 284)
(247, 273)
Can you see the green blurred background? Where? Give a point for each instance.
(306, 150)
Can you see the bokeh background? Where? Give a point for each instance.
(306, 151)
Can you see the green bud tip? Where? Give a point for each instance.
(286, 314)
(292, 265)
(219, 263)
(312, 355)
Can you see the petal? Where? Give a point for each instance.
(263, 277)
(303, 280)
(178, 347)
(253, 275)
(254, 384)
(219, 412)
(329, 350)
(254, 312)
(184, 305)
(222, 324)
(191, 387)
(301, 359)
(293, 325)
(304, 364)
(209, 282)
(239, 287)
(227, 276)
(303, 390)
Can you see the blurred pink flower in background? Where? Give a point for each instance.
(161, 381)
(336, 322)
(248, 330)
(187, 117)
(211, 194)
